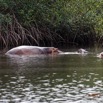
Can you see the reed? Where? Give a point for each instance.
(14, 34)
(51, 23)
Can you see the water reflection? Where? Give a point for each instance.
(47, 79)
(52, 87)
(34, 63)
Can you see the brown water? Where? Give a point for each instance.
(51, 79)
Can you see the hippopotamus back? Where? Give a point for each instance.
(31, 50)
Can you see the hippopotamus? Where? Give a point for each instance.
(100, 55)
(82, 51)
(32, 50)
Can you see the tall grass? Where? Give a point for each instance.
(14, 34)
(51, 22)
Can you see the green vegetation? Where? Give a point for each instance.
(51, 22)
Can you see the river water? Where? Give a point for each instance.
(51, 79)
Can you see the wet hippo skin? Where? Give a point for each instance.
(100, 55)
(32, 50)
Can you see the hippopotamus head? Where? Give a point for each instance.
(82, 51)
(100, 55)
(51, 50)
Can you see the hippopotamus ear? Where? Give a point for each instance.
(56, 50)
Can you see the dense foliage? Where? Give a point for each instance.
(51, 22)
